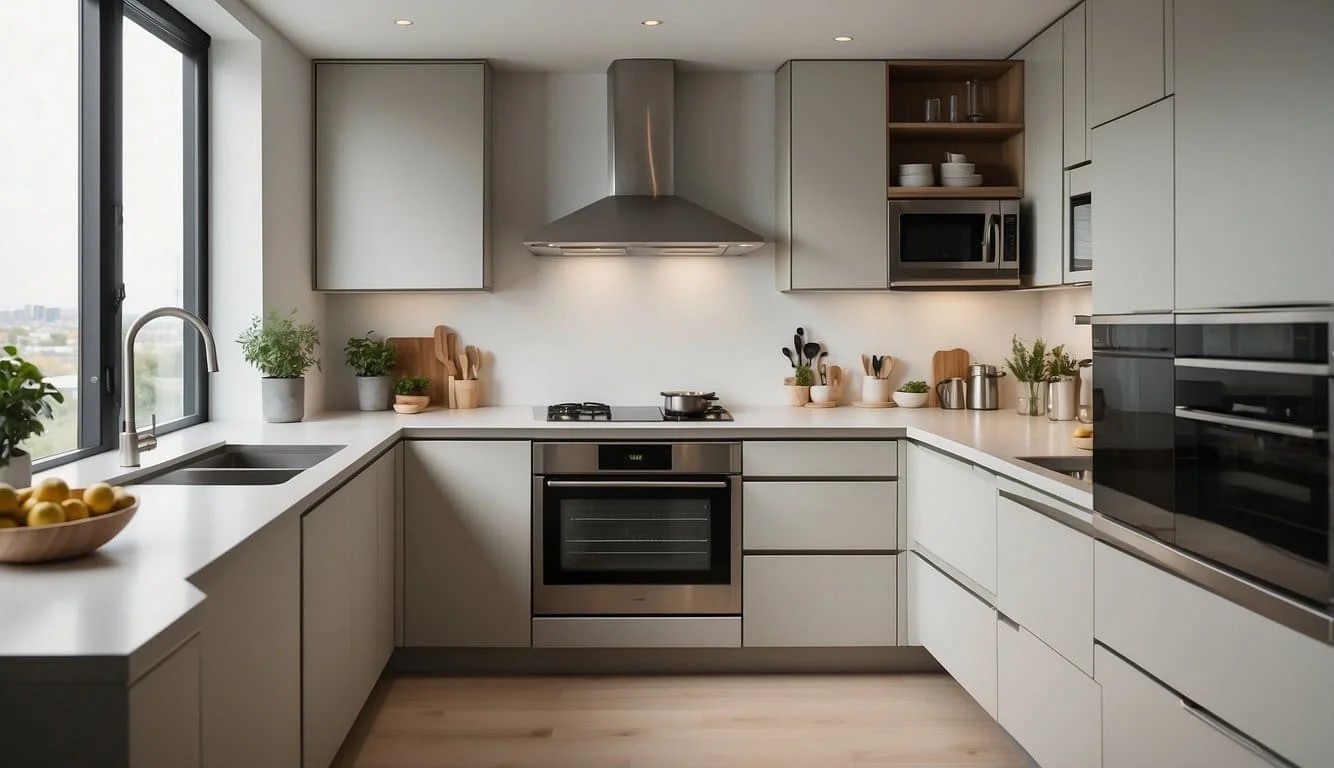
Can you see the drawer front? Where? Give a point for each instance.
(637, 632)
(1267, 681)
(834, 515)
(956, 627)
(819, 600)
(1044, 580)
(1145, 724)
(1046, 703)
(820, 458)
(952, 513)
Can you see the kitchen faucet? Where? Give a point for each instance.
(131, 442)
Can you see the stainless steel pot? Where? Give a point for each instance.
(983, 387)
(686, 402)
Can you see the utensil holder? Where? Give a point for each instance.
(465, 392)
(875, 390)
(797, 396)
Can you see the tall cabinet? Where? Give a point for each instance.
(1044, 126)
(1128, 61)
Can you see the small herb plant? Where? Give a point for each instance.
(1060, 364)
(25, 399)
(803, 377)
(280, 347)
(411, 385)
(1028, 364)
(914, 387)
(368, 357)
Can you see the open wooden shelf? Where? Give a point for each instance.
(955, 193)
(954, 131)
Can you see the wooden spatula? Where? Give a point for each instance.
(475, 360)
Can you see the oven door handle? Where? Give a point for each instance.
(636, 483)
(1256, 425)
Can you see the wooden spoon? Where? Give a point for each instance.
(475, 359)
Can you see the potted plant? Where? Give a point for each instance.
(372, 361)
(411, 394)
(799, 385)
(1062, 387)
(283, 350)
(912, 394)
(1029, 366)
(25, 400)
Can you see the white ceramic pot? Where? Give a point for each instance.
(821, 393)
(910, 399)
(374, 392)
(797, 396)
(875, 390)
(18, 472)
(284, 400)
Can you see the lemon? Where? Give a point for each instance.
(9, 499)
(123, 499)
(1083, 432)
(27, 506)
(51, 489)
(46, 513)
(8, 522)
(74, 509)
(100, 498)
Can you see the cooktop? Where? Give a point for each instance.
(604, 412)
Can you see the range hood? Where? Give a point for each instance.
(642, 216)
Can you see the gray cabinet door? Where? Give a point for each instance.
(1126, 57)
(401, 176)
(1254, 161)
(1075, 63)
(832, 176)
(1044, 198)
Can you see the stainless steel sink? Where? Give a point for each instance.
(1078, 467)
(232, 464)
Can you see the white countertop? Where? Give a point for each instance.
(115, 601)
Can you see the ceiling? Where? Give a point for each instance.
(585, 35)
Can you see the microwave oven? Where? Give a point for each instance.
(954, 243)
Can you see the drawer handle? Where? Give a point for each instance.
(1241, 739)
(1007, 621)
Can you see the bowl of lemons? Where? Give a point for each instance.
(51, 521)
(1083, 437)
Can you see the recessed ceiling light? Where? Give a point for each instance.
(651, 22)
(403, 22)
(843, 39)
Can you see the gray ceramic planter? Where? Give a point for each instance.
(284, 400)
(18, 472)
(374, 392)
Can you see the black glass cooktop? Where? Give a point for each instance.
(602, 412)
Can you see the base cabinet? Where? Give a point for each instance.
(952, 513)
(819, 600)
(956, 626)
(1050, 707)
(165, 714)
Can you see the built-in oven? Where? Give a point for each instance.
(636, 529)
(1077, 250)
(1253, 462)
(1132, 404)
(954, 243)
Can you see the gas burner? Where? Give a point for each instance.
(579, 412)
(714, 413)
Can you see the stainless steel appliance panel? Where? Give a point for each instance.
(953, 243)
(685, 458)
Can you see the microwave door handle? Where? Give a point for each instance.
(988, 242)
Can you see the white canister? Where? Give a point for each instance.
(1064, 400)
(875, 390)
(821, 393)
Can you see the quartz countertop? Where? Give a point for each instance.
(117, 601)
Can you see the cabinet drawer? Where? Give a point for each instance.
(1044, 579)
(952, 513)
(956, 627)
(820, 516)
(637, 632)
(820, 458)
(819, 600)
(1047, 704)
(1144, 723)
(1264, 679)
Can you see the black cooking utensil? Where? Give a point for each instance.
(877, 362)
(811, 350)
(791, 358)
(797, 345)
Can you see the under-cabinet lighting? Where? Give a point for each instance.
(843, 38)
(652, 22)
(403, 22)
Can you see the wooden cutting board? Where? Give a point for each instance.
(947, 364)
(416, 357)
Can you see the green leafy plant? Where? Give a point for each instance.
(803, 377)
(1060, 364)
(914, 387)
(411, 385)
(1027, 364)
(25, 399)
(280, 347)
(369, 357)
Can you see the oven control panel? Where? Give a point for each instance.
(629, 457)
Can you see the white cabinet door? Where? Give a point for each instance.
(820, 458)
(830, 515)
(1075, 86)
(1126, 57)
(1044, 199)
(956, 627)
(819, 600)
(1255, 104)
(401, 175)
(165, 714)
(1050, 707)
(1044, 580)
(387, 474)
(952, 511)
(1133, 212)
(468, 544)
(1145, 724)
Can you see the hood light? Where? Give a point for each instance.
(403, 22)
(652, 22)
(843, 39)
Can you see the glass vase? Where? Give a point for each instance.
(1030, 398)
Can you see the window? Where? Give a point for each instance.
(102, 209)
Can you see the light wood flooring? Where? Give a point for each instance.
(768, 721)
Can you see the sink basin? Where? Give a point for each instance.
(233, 464)
(1077, 467)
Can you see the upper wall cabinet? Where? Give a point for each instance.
(830, 171)
(402, 192)
(1044, 198)
(1254, 160)
(1075, 85)
(1127, 57)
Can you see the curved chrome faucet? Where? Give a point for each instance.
(131, 442)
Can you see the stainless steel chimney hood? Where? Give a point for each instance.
(642, 216)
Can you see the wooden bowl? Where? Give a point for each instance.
(1083, 443)
(408, 408)
(62, 541)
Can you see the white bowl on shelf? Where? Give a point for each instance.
(909, 169)
(948, 170)
(974, 180)
(917, 181)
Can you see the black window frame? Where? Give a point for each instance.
(101, 290)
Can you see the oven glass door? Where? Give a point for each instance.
(636, 531)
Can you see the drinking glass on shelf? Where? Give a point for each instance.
(979, 99)
(954, 108)
(933, 110)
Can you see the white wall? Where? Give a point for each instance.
(620, 330)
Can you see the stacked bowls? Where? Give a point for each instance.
(917, 175)
(960, 173)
